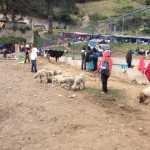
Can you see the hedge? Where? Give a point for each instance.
(12, 40)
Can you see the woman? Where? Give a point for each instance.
(104, 77)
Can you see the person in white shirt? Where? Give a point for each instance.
(33, 59)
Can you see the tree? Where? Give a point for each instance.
(56, 3)
(12, 8)
(147, 2)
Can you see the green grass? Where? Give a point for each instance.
(91, 90)
(117, 93)
(122, 47)
(105, 7)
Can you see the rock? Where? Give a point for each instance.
(140, 129)
(121, 105)
(72, 96)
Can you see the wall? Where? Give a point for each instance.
(29, 35)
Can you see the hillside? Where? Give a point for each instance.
(98, 11)
(108, 7)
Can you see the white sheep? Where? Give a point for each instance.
(44, 73)
(79, 83)
(144, 95)
(65, 80)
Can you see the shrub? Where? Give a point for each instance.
(12, 40)
(146, 30)
(14, 28)
(147, 2)
(22, 30)
(97, 17)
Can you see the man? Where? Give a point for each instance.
(33, 59)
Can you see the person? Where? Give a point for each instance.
(95, 56)
(59, 41)
(69, 43)
(83, 53)
(129, 58)
(22, 47)
(27, 55)
(141, 66)
(147, 72)
(104, 77)
(5, 53)
(33, 59)
(87, 58)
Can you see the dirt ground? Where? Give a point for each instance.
(36, 116)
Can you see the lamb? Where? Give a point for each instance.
(46, 74)
(79, 83)
(144, 95)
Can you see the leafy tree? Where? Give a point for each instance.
(12, 8)
(56, 3)
(147, 2)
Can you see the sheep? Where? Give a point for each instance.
(64, 81)
(79, 83)
(46, 74)
(144, 95)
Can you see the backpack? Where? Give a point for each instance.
(104, 67)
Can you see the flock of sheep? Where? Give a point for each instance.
(75, 82)
(66, 81)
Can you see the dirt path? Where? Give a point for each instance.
(36, 116)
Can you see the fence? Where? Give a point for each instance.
(133, 27)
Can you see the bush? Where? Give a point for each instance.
(12, 40)
(146, 30)
(124, 9)
(22, 30)
(97, 17)
(14, 28)
(147, 2)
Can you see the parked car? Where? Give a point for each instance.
(100, 45)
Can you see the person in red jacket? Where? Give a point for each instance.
(141, 66)
(104, 77)
(147, 72)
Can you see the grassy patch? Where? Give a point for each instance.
(118, 93)
(122, 47)
(91, 90)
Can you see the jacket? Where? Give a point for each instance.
(106, 54)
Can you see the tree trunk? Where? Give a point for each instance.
(50, 15)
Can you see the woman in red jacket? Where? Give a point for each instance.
(104, 77)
